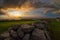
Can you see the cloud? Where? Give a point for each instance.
(2, 13)
(13, 2)
(35, 3)
(39, 5)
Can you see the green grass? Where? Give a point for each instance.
(6, 24)
(54, 27)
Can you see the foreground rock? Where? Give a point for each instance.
(34, 31)
(26, 37)
(38, 35)
(27, 28)
(20, 33)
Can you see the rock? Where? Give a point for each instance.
(20, 33)
(39, 25)
(15, 39)
(26, 37)
(2, 38)
(15, 27)
(13, 33)
(45, 24)
(7, 38)
(47, 35)
(27, 28)
(5, 34)
(38, 35)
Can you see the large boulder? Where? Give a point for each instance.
(38, 34)
(20, 33)
(15, 27)
(13, 33)
(27, 28)
(39, 25)
(5, 34)
(26, 37)
(2, 38)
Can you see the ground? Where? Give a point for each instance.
(53, 25)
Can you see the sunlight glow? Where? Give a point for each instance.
(15, 13)
(18, 12)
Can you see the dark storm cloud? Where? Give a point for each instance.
(1, 13)
(33, 3)
(15, 2)
(21, 2)
(1, 1)
(39, 3)
(44, 3)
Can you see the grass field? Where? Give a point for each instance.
(54, 27)
(6, 24)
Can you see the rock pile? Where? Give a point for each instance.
(34, 31)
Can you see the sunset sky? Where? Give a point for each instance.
(16, 9)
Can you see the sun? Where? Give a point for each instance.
(15, 13)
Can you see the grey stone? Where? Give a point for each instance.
(2, 38)
(38, 35)
(15, 39)
(27, 28)
(39, 25)
(15, 27)
(5, 34)
(26, 37)
(13, 33)
(47, 35)
(8, 38)
(20, 33)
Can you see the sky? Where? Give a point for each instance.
(35, 8)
